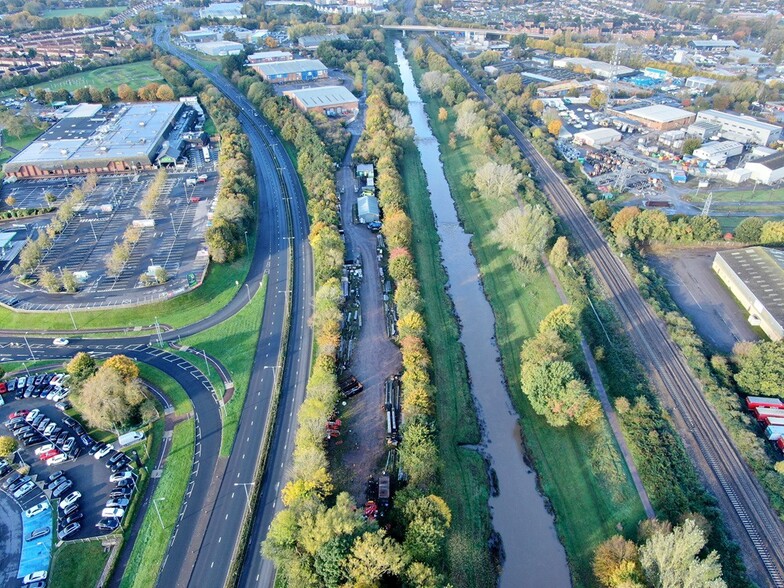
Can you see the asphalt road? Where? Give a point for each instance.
(748, 513)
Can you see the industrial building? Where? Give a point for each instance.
(269, 57)
(598, 68)
(767, 170)
(94, 139)
(329, 100)
(703, 129)
(742, 128)
(296, 70)
(713, 45)
(225, 10)
(368, 210)
(313, 41)
(598, 137)
(218, 48)
(755, 276)
(699, 83)
(717, 152)
(200, 36)
(660, 117)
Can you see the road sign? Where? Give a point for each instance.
(191, 279)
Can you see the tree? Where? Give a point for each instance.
(116, 260)
(556, 394)
(428, 520)
(559, 254)
(164, 93)
(622, 223)
(49, 281)
(598, 99)
(772, 233)
(525, 231)
(124, 366)
(497, 180)
(749, 230)
(761, 367)
(374, 555)
(537, 107)
(10, 201)
(81, 367)
(554, 127)
(70, 283)
(690, 144)
(161, 275)
(7, 446)
(50, 197)
(601, 210)
(611, 559)
(443, 115)
(126, 93)
(671, 560)
(705, 228)
(419, 453)
(106, 400)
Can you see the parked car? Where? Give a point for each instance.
(24, 489)
(32, 414)
(55, 475)
(96, 447)
(70, 499)
(5, 469)
(56, 379)
(18, 484)
(61, 438)
(126, 492)
(37, 420)
(117, 503)
(39, 532)
(62, 489)
(113, 513)
(70, 509)
(130, 482)
(103, 452)
(123, 475)
(68, 531)
(33, 439)
(19, 413)
(13, 478)
(86, 440)
(68, 444)
(62, 405)
(49, 453)
(34, 577)
(38, 508)
(59, 458)
(108, 524)
(77, 516)
(50, 428)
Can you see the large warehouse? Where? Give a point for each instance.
(742, 128)
(598, 137)
(295, 70)
(92, 139)
(661, 117)
(755, 276)
(767, 170)
(329, 100)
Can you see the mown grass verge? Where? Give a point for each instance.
(153, 540)
(170, 388)
(218, 289)
(572, 463)
(78, 564)
(233, 343)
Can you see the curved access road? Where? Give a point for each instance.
(745, 505)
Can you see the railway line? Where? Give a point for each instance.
(724, 469)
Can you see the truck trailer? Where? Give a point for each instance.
(774, 432)
(763, 412)
(753, 402)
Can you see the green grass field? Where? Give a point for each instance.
(97, 11)
(171, 389)
(762, 195)
(17, 144)
(464, 483)
(68, 565)
(152, 540)
(135, 74)
(233, 342)
(217, 290)
(588, 507)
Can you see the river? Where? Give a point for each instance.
(534, 557)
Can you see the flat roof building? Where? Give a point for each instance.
(368, 210)
(329, 100)
(755, 276)
(313, 41)
(767, 170)
(599, 68)
(660, 116)
(200, 36)
(713, 45)
(742, 128)
(291, 71)
(225, 10)
(717, 152)
(95, 140)
(269, 56)
(218, 48)
(700, 83)
(598, 137)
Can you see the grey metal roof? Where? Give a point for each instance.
(772, 161)
(277, 68)
(323, 96)
(761, 269)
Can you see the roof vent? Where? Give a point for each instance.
(141, 124)
(63, 151)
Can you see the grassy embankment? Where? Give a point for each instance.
(218, 289)
(233, 343)
(97, 11)
(78, 564)
(588, 505)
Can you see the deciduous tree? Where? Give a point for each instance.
(7, 446)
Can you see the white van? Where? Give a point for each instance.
(130, 438)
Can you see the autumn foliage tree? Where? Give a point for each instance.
(112, 396)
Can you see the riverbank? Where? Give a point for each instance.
(572, 463)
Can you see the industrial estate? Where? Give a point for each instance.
(368, 293)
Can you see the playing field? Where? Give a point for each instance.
(135, 75)
(99, 11)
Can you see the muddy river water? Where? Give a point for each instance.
(534, 557)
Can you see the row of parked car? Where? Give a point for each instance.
(47, 386)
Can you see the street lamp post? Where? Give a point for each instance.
(155, 504)
(30, 349)
(247, 247)
(248, 289)
(245, 485)
(72, 316)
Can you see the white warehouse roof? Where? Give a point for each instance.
(743, 119)
(288, 67)
(660, 113)
(323, 96)
(600, 135)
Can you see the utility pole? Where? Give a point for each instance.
(708, 202)
(72, 316)
(30, 349)
(158, 331)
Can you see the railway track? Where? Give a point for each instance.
(696, 420)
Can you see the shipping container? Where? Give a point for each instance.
(774, 433)
(753, 402)
(777, 421)
(763, 411)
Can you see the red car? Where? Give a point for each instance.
(19, 413)
(47, 454)
(3, 387)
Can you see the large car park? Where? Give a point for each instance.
(65, 462)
